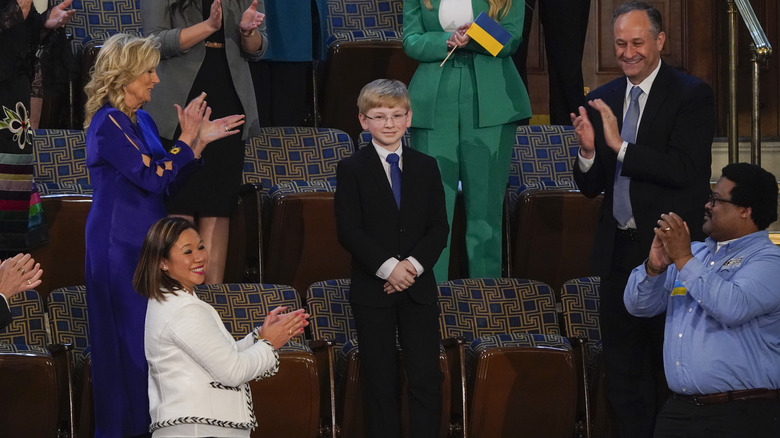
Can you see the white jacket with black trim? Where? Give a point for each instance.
(198, 373)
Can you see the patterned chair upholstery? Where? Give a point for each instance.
(506, 330)
(338, 354)
(364, 43)
(62, 179)
(580, 303)
(302, 242)
(60, 158)
(542, 153)
(360, 20)
(546, 216)
(69, 324)
(29, 373)
(277, 155)
(288, 401)
(96, 20)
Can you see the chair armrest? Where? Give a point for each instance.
(63, 363)
(324, 353)
(455, 349)
(580, 347)
(246, 237)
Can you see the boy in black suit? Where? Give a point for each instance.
(391, 217)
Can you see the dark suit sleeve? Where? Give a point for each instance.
(678, 163)
(349, 220)
(5, 313)
(428, 249)
(590, 183)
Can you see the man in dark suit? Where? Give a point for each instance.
(17, 274)
(645, 142)
(391, 217)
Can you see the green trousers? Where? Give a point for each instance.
(478, 157)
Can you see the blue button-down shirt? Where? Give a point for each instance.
(723, 315)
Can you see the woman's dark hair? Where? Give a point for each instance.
(756, 188)
(149, 278)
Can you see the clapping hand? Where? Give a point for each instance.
(251, 19)
(279, 328)
(215, 16)
(59, 15)
(18, 274)
(211, 130)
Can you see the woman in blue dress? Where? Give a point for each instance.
(131, 173)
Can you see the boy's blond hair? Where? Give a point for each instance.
(386, 93)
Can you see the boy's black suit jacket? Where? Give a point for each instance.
(371, 227)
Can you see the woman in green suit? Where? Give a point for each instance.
(465, 114)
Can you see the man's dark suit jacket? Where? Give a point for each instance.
(372, 229)
(669, 165)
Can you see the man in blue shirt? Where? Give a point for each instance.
(722, 303)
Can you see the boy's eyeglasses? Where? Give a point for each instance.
(382, 119)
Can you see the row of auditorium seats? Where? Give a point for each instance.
(510, 366)
(363, 40)
(283, 230)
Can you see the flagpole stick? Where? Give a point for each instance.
(448, 56)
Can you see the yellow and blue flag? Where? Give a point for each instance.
(488, 33)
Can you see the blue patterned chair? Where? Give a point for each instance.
(96, 20)
(277, 155)
(364, 43)
(60, 158)
(507, 358)
(290, 400)
(335, 344)
(364, 20)
(580, 303)
(547, 218)
(62, 179)
(30, 374)
(67, 308)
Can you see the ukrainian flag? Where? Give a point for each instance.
(488, 33)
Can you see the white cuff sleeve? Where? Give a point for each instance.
(622, 151)
(386, 269)
(416, 265)
(585, 163)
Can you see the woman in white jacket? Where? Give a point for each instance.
(198, 373)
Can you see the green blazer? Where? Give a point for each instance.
(501, 95)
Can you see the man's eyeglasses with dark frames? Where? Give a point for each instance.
(714, 200)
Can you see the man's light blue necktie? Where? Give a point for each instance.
(395, 177)
(621, 205)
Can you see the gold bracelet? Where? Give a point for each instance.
(249, 34)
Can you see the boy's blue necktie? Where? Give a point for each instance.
(395, 177)
(621, 200)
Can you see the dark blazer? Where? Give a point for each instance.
(669, 165)
(371, 227)
(5, 314)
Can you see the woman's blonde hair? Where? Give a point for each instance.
(498, 8)
(121, 60)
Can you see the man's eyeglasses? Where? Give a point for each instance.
(382, 119)
(714, 201)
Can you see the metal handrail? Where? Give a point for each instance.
(761, 42)
(761, 51)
